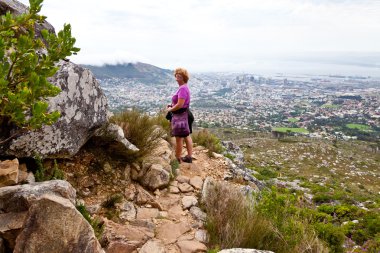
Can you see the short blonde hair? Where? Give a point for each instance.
(183, 72)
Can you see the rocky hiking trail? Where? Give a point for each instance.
(168, 219)
(159, 208)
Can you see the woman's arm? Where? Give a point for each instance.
(179, 105)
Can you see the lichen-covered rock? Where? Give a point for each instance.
(9, 172)
(55, 225)
(83, 108)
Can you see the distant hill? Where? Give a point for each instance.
(143, 72)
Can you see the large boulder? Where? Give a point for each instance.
(83, 108)
(55, 225)
(42, 217)
(82, 104)
(20, 197)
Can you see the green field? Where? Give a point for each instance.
(291, 129)
(293, 120)
(359, 127)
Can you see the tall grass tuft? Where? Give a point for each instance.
(141, 130)
(160, 120)
(233, 221)
(208, 140)
(96, 224)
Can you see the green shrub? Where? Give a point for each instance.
(43, 174)
(24, 70)
(40, 172)
(331, 234)
(326, 208)
(295, 233)
(320, 198)
(174, 165)
(96, 224)
(230, 156)
(141, 130)
(57, 173)
(208, 140)
(267, 173)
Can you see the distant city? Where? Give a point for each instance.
(318, 106)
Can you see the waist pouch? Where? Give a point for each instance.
(180, 124)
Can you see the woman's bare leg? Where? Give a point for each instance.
(178, 147)
(189, 145)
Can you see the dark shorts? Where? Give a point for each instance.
(190, 118)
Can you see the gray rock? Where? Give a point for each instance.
(207, 184)
(198, 214)
(9, 172)
(244, 251)
(83, 108)
(128, 211)
(237, 168)
(201, 236)
(55, 225)
(114, 134)
(82, 105)
(233, 149)
(189, 201)
(156, 177)
(20, 197)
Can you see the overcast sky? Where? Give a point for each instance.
(223, 35)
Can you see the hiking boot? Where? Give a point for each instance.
(187, 159)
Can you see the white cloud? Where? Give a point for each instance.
(209, 33)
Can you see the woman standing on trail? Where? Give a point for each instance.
(182, 119)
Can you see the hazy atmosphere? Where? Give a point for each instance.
(287, 36)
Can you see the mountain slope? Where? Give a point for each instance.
(140, 71)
